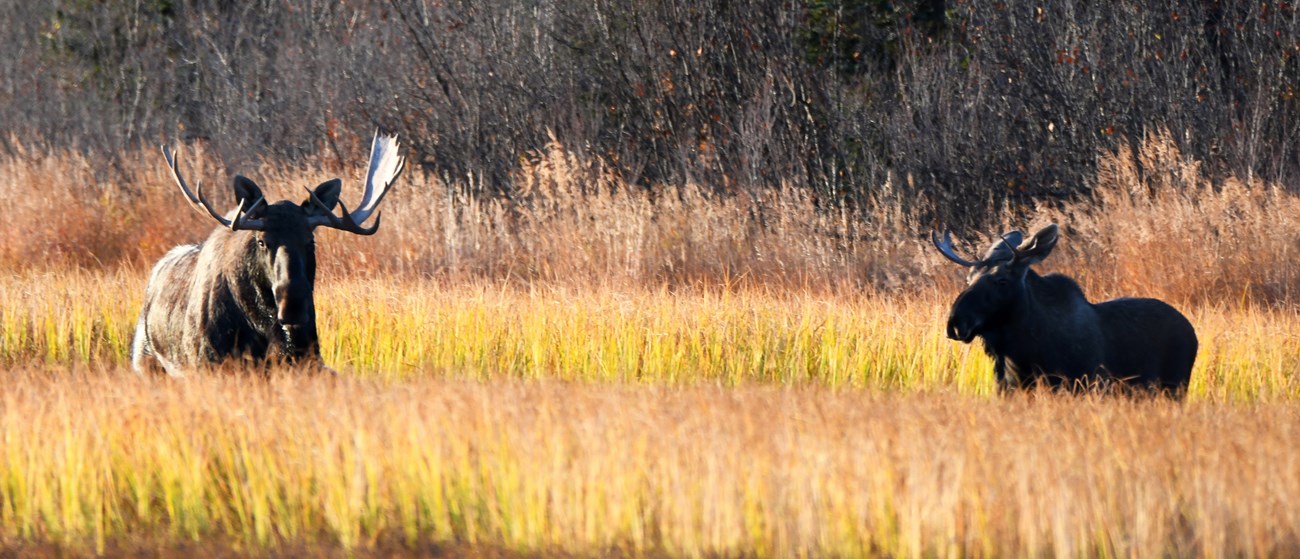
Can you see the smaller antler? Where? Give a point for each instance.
(945, 248)
(1015, 252)
(241, 221)
(385, 166)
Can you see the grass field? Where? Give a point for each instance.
(547, 466)
(692, 423)
(605, 373)
(399, 330)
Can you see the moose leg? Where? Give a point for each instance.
(140, 361)
(144, 361)
(1005, 383)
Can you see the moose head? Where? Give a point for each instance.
(995, 283)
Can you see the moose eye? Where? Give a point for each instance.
(261, 243)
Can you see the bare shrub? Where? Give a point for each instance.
(975, 108)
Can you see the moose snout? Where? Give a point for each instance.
(961, 330)
(290, 312)
(292, 306)
(285, 316)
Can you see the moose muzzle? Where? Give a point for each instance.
(960, 329)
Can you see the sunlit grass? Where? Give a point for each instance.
(94, 458)
(645, 336)
(412, 329)
(694, 417)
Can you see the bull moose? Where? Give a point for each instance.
(247, 291)
(1042, 329)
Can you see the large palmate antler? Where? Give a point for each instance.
(242, 220)
(385, 166)
(945, 248)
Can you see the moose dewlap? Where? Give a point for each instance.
(1042, 329)
(247, 291)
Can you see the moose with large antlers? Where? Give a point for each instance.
(1041, 329)
(247, 291)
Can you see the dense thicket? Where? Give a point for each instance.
(962, 104)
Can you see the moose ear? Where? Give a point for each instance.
(246, 190)
(1039, 246)
(328, 193)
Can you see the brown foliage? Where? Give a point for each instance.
(1156, 226)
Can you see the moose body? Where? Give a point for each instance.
(1042, 329)
(247, 292)
(204, 303)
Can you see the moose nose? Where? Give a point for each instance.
(952, 331)
(291, 309)
(289, 314)
(960, 331)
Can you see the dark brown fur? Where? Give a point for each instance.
(1042, 329)
(240, 294)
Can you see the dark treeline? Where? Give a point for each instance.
(968, 105)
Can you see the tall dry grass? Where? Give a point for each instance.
(92, 458)
(574, 223)
(1158, 226)
(1155, 226)
(586, 278)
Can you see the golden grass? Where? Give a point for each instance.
(409, 329)
(1158, 227)
(93, 458)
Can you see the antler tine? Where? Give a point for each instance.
(176, 175)
(196, 200)
(242, 222)
(1015, 254)
(945, 248)
(346, 223)
(385, 166)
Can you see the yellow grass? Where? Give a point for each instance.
(411, 329)
(96, 457)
